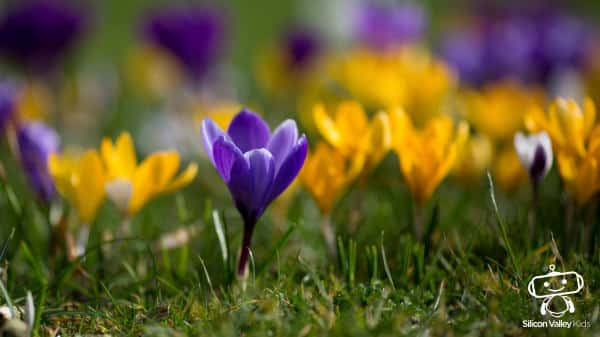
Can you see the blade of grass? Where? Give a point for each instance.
(385, 265)
(5, 244)
(502, 226)
(282, 241)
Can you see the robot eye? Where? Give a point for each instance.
(546, 284)
(564, 281)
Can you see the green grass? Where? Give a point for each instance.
(468, 276)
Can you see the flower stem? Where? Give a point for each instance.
(245, 251)
(532, 216)
(418, 221)
(329, 235)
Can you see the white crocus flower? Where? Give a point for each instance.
(535, 153)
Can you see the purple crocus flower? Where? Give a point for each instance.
(36, 142)
(381, 27)
(530, 45)
(195, 36)
(36, 34)
(256, 165)
(7, 104)
(301, 47)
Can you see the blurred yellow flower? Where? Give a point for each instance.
(34, 102)
(80, 180)
(474, 159)
(280, 79)
(326, 173)
(576, 140)
(582, 174)
(221, 112)
(426, 155)
(151, 71)
(408, 77)
(352, 134)
(129, 185)
(498, 109)
(508, 171)
(568, 125)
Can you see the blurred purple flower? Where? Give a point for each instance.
(382, 27)
(36, 142)
(7, 103)
(530, 45)
(256, 165)
(301, 47)
(193, 35)
(37, 34)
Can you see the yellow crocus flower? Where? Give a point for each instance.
(221, 112)
(80, 180)
(576, 140)
(352, 134)
(567, 124)
(508, 170)
(407, 76)
(151, 72)
(326, 173)
(129, 185)
(475, 159)
(497, 110)
(426, 155)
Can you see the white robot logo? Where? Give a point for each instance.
(556, 286)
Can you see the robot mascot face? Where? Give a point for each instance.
(554, 289)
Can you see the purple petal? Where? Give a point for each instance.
(289, 168)
(225, 155)
(282, 141)
(36, 142)
(210, 133)
(248, 131)
(262, 170)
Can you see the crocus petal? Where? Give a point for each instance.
(120, 158)
(183, 179)
(283, 140)
(210, 133)
(151, 177)
(524, 149)
(262, 170)
(248, 131)
(289, 168)
(225, 154)
(91, 188)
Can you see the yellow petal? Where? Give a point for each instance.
(152, 177)
(589, 115)
(120, 158)
(351, 121)
(90, 189)
(183, 179)
(326, 125)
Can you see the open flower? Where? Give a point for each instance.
(80, 180)
(427, 155)
(131, 185)
(409, 76)
(582, 174)
(327, 173)
(535, 153)
(256, 165)
(497, 109)
(575, 136)
(36, 142)
(567, 123)
(352, 134)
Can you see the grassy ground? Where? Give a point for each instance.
(468, 276)
(463, 279)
